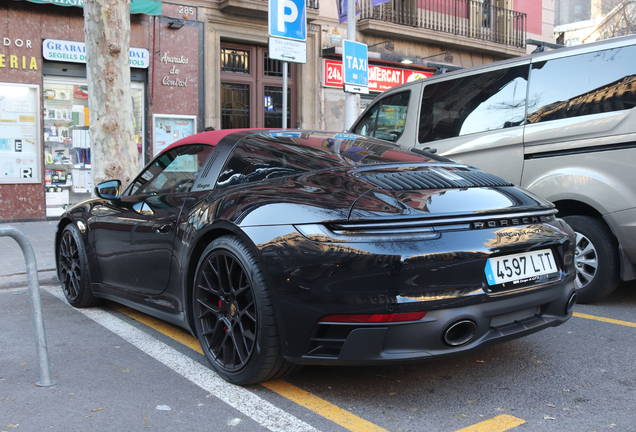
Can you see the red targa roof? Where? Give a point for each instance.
(210, 138)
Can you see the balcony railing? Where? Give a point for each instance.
(468, 18)
(259, 8)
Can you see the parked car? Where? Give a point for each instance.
(283, 248)
(561, 124)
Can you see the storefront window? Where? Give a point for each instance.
(19, 136)
(67, 144)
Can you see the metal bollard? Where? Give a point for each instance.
(36, 303)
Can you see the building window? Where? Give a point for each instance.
(251, 88)
(235, 106)
(274, 106)
(235, 60)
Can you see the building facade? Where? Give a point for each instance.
(200, 63)
(583, 21)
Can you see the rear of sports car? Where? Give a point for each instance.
(431, 261)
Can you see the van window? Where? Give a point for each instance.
(584, 84)
(476, 103)
(385, 120)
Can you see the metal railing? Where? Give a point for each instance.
(36, 303)
(468, 18)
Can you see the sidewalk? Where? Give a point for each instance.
(104, 383)
(41, 234)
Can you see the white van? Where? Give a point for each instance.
(561, 124)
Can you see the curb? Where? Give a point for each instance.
(45, 277)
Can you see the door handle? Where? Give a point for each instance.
(162, 228)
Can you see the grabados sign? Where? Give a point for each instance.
(172, 79)
(72, 51)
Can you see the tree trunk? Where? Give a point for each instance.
(114, 153)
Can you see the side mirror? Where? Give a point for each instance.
(110, 190)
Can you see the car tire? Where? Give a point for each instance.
(595, 258)
(72, 269)
(234, 315)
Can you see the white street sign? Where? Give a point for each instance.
(287, 50)
(356, 89)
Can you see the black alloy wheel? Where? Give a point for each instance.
(595, 258)
(234, 315)
(227, 311)
(72, 269)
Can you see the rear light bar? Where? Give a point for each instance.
(374, 318)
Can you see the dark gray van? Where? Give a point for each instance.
(561, 124)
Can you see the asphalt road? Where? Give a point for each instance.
(117, 370)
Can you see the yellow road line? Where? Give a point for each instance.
(301, 397)
(169, 330)
(496, 424)
(607, 320)
(321, 407)
(313, 403)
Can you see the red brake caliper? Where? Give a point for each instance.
(224, 328)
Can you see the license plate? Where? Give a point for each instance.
(523, 267)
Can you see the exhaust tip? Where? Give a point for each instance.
(460, 332)
(571, 302)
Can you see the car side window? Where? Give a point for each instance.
(385, 120)
(592, 83)
(172, 172)
(476, 103)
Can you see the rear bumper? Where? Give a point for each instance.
(443, 276)
(496, 322)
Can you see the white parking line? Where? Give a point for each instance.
(260, 410)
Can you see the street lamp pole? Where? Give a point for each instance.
(351, 99)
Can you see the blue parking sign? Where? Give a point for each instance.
(288, 19)
(355, 63)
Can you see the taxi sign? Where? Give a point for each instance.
(355, 67)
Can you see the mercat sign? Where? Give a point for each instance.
(148, 7)
(75, 52)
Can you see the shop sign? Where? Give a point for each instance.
(380, 78)
(173, 79)
(148, 7)
(75, 52)
(333, 73)
(13, 61)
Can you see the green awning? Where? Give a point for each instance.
(148, 7)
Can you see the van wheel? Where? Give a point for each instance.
(595, 258)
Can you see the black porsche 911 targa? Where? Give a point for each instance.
(282, 248)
